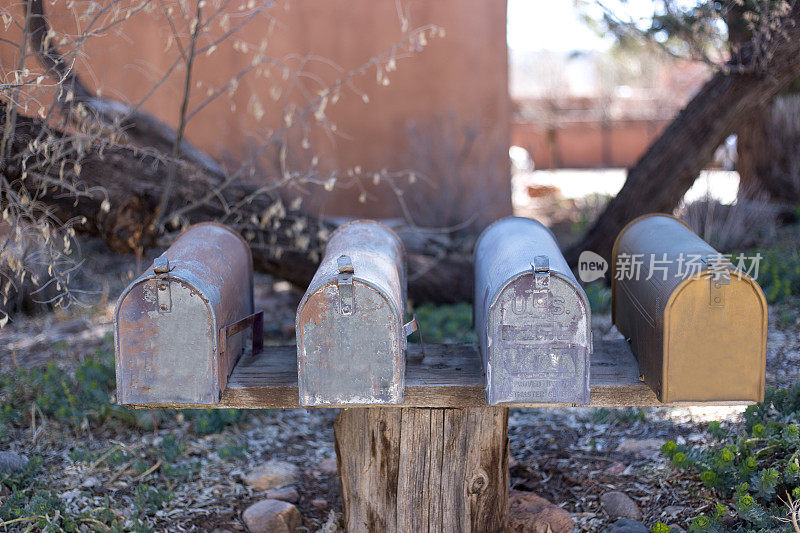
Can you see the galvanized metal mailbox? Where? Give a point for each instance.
(697, 325)
(532, 317)
(178, 327)
(351, 341)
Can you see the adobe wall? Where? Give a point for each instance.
(453, 94)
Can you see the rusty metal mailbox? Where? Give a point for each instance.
(351, 341)
(696, 324)
(179, 326)
(532, 317)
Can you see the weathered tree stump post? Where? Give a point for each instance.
(422, 469)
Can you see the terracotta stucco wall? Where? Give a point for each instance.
(454, 93)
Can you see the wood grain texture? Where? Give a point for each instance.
(449, 375)
(423, 470)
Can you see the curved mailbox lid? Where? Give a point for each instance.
(535, 347)
(167, 321)
(698, 325)
(350, 342)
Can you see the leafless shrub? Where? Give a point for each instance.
(459, 169)
(744, 224)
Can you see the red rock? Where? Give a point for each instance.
(529, 513)
(272, 516)
(319, 503)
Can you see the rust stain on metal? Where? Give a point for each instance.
(698, 334)
(532, 317)
(350, 343)
(167, 322)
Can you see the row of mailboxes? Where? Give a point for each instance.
(179, 325)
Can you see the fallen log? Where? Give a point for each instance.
(117, 190)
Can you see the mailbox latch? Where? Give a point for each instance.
(344, 283)
(541, 273)
(720, 276)
(161, 269)
(717, 289)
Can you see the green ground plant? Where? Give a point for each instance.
(779, 272)
(82, 400)
(85, 399)
(445, 323)
(753, 471)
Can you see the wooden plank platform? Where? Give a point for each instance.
(450, 375)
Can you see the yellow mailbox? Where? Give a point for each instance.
(696, 324)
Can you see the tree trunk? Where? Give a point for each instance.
(286, 243)
(753, 149)
(762, 156)
(415, 469)
(668, 169)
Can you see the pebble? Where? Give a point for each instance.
(11, 462)
(90, 482)
(319, 503)
(272, 516)
(615, 469)
(626, 525)
(328, 466)
(673, 510)
(271, 475)
(644, 447)
(529, 513)
(619, 505)
(288, 494)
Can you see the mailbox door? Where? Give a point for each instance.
(166, 357)
(354, 359)
(715, 352)
(539, 343)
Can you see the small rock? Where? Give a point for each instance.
(319, 503)
(673, 510)
(626, 525)
(529, 513)
(11, 462)
(287, 494)
(673, 528)
(328, 466)
(90, 482)
(615, 469)
(272, 516)
(644, 447)
(619, 505)
(271, 475)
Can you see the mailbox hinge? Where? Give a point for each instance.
(161, 269)
(344, 283)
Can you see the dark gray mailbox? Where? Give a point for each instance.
(178, 327)
(532, 317)
(351, 341)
